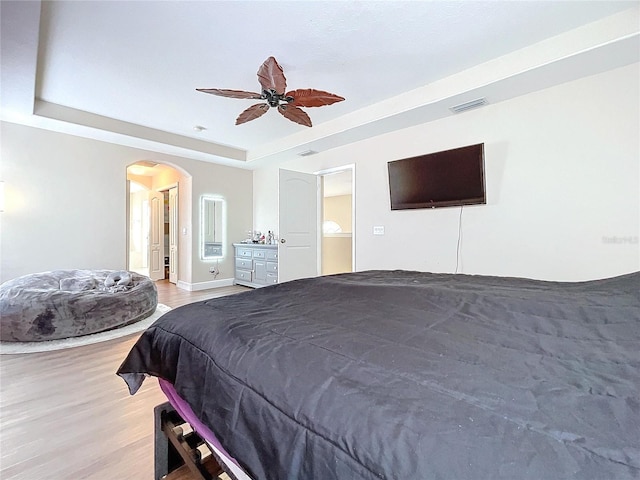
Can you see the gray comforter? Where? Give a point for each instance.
(407, 375)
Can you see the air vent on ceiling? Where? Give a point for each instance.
(306, 153)
(463, 107)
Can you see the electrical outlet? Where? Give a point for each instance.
(378, 230)
(214, 270)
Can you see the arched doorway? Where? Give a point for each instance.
(153, 220)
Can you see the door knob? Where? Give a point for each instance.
(282, 240)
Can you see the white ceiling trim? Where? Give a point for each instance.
(99, 122)
(600, 46)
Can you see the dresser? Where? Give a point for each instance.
(256, 265)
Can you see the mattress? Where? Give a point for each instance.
(410, 375)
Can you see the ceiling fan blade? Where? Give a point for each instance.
(295, 114)
(271, 76)
(253, 112)
(308, 97)
(222, 92)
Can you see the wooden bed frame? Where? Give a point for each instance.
(179, 452)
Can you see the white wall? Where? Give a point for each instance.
(562, 178)
(65, 204)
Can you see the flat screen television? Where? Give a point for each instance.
(441, 179)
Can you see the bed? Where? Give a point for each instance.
(411, 375)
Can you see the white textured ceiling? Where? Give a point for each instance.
(135, 65)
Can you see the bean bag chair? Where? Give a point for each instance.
(71, 303)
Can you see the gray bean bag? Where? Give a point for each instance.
(71, 303)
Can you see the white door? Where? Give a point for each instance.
(298, 225)
(156, 235)
(173, 235)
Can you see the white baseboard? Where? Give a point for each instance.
(193, 287)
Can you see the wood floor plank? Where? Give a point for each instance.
(66, 414)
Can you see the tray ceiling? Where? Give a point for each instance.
(127, 72)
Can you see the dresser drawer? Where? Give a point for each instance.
(272, 278)
(244, 275)
(258, 253)
(272, 267)
(244, 252)
(245, 263)
(272, 255)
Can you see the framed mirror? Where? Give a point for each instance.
(211, 227)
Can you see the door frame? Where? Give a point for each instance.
(162, 189)
(322, 174)
(127, 229)
(174, 237)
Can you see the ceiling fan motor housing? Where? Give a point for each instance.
(274, 98)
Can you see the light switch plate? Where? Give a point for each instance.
(378, 230)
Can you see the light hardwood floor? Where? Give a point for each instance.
(66, 415)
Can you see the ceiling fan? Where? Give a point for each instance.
(274, 85)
